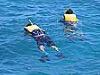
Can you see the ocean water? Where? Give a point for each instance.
(19, 54)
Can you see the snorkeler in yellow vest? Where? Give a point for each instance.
(40, 37)
(70, 20)
(70, 17)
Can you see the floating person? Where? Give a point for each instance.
(42, 39)
(70, 21)
(70, 17)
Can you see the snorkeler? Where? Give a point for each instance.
(70, 21)
(40, 37)
(70, 17)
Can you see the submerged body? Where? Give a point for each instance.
(71, 29)
(70, 21)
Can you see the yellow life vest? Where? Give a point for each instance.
(32, 27)
(70, 17)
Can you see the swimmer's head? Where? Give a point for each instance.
(69, 11)
(29, 24)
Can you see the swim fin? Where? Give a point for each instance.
(60, 55)
(44, 58)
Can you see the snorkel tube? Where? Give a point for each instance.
(30, 21)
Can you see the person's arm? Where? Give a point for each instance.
(62, 19)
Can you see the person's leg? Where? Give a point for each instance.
(55, 48)
(68, 29)
(41, 46)
(44, 56)
(58, 53)
(51, 44)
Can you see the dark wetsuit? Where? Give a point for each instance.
(42, 39)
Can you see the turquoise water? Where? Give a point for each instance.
(19, 54)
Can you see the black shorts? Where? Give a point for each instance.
(44, 40)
